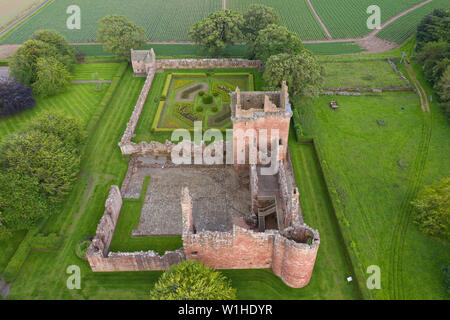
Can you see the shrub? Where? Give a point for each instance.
(82, 247)
(433, 209)
(191, 280)
(201, 93)
(207, 99)
(214, 109)
(215, 94)
(199, 109)
(14, 98)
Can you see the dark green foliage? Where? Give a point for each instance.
(120, 35)
(433, 209)
(433, 27)
(446, 272)
(257, 18)
(52, 77)
(274, 40)
(207, 98)
(38, 167)
(302, 73)
(219, 30)
(191, 280)
(82, 246)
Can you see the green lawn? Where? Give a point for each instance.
(86, 71)
(360, 74)
(79, 100)
(374, 190)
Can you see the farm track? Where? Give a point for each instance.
(415, 180)
(324, 27)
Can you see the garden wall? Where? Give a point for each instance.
(162, 64)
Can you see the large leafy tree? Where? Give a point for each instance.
(433, 209)
(68, 129)
(58, 41)
(257, 18)
(23, 64)
(120, 35)
(52, 77)
(433, 27)
(191, 280)
(44, 157)
(276, 39)
(443, 90)
(14, 97)
(21, 202)
(218, 30)
(302, 72)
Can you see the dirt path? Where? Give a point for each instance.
(224, 4)
(324, 27)
(402, 222)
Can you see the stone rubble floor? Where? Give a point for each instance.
(218, 193)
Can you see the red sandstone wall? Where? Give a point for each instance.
(244, 250)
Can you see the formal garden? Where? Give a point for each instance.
(201, 96)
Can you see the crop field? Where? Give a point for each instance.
(347, 18)
(296, 15)
(13, 9)
(400, 30)
(163, 20)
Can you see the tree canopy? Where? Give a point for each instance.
(191, 280)
(432, 207)
(218, 30)
(58, 41)
(52, 77)
(274, 40)
(14, 97)
(302, 73)
(257, 18)
(120, 35)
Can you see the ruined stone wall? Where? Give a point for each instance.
(135, 261)
(125, 143)
(99, 257)
(254, 190)
(288, 253)
(162, 64)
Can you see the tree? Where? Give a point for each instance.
(14, 98)
(432, 207)
(218, 30)
(120, 35)
(52, 77)
(302, 73)
(21, 202)
(443, 90)
(191, 280)
(68, 129)
(42, 156)
(23, 64)
(257, 18)
(58, 41)
(433, 27)
(274, 40)
(435, 57)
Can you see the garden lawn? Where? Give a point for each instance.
(86, 71)
(363, 161)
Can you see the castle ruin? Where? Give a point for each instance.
(229, 216)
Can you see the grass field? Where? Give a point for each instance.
(400, 30)
(362, 158)
(43, 274)
(79, 100)
(163, 20)
(360, 74)
(348, 18)
(86, 71)
(296, 15)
